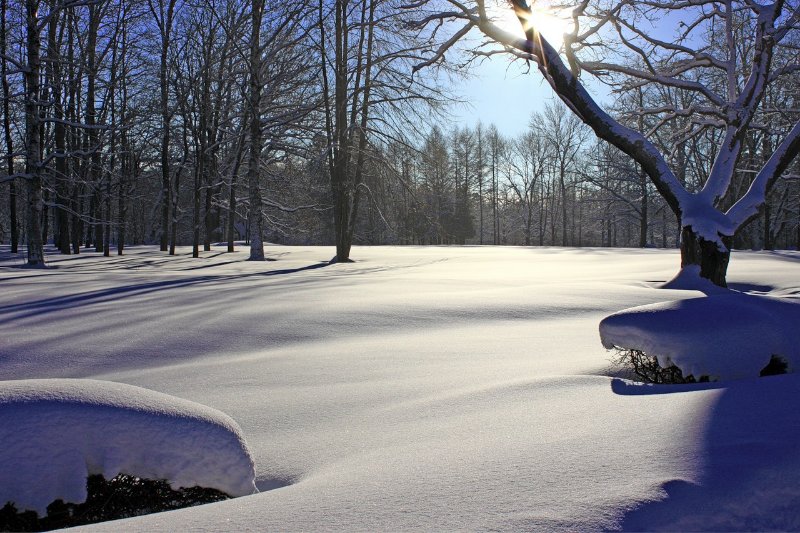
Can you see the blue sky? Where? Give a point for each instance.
(506, 93)
(502, 94)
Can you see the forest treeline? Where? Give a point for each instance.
(194, 122)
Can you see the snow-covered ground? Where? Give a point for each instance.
(432, 388)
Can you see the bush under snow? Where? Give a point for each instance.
(57, 432)
(724, 335)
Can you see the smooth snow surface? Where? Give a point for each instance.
(56, 432)
(438, 388)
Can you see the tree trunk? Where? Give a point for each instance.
(122, 208)
(33, 137)
(231, 213)
(174, 226)
(55, 84)
(643, 214)
(12, 185)
(230, 224)
(255, 217)
(208, 219)
(98, 226)
(106, 227)
(127, 156)
(76, 220)
(362, 141)
(196, 209)
(712, 261)
(35, 244)
(342, 193)
(93, 148)
(176, 187)
(166, 189)
(74, 140)
(45, 211)
(342, 199)
(12, 214)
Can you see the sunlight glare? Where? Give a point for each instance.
(549, 23)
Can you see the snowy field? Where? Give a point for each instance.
(423, 388)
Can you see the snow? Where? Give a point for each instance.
(688, 278)
(698, 212)
(56, 432)
(723, 336)
(726, 334)
(435, 388)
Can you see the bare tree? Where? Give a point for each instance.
(565, 136)
(464, 167)
(163, 12)
(342, 126)
(497, 146)
(33, 126)
(371, 95)
(9, 141)
(54, 69)
(436, 186)
(254, 163)
(528, 163)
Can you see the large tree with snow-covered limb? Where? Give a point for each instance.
(727, 54)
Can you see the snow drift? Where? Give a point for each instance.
(56, 432)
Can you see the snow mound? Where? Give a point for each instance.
(56, 432)
(724, 335)
(689, 279)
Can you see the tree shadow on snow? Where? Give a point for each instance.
(751, 288)
(19, 311)
(750, 456)
(783, 255)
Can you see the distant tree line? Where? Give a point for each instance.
(188, 123)
(551, 185)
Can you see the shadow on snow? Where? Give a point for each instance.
(751, 461)
(18, 311)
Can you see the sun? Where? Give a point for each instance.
(549, 23)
